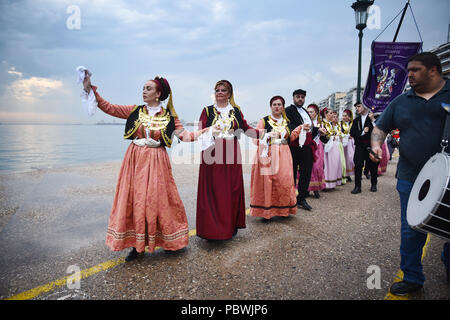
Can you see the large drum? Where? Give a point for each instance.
(429, 202)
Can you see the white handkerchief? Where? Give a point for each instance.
(206, 139)
(89, 102)
(302, 138)
(81, 74)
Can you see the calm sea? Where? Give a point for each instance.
(29, 147)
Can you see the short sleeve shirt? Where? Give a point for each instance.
(421, 124)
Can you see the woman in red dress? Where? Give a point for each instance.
(220, 197)
(147, 209)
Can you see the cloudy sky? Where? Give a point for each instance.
(264, 48)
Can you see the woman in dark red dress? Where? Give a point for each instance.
(220, 197)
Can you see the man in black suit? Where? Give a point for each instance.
(302, 156)
(361, 130)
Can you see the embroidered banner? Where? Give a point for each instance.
(388, 72)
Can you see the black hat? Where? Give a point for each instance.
(299, 91)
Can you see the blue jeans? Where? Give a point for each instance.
(412, 241)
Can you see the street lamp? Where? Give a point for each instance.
(361, 14)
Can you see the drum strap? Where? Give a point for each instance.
(446, 135)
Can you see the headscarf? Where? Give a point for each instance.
(163, 86)
(228, 84)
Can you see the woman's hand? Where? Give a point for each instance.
(87, 82)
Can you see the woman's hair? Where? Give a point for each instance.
(278, 98)
(226, 84)
(163, 86)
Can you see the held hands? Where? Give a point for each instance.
(306, 127)
(322, 131)
(216, 130)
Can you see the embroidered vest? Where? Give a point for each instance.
(213, 116)
(269, 125)
(165, 123)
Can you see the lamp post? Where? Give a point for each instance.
(361, 14)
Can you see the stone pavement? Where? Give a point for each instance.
(52, 220)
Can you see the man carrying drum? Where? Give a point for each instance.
(420, 117)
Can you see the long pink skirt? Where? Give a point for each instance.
(333, 167)
(349, 151)
(317, 181)
(147, 208)
(272, 190)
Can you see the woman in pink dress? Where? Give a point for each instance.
(348, 143)
(332, 159)
(272, 192)
(317, 182)
(147, 209)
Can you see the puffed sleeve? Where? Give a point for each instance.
(115, 110)
(185, 135)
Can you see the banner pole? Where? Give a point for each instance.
(401, 21)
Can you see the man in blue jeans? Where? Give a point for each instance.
(420, 117)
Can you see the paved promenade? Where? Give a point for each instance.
(53, 223)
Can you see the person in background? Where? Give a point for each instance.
(360, 131)
(317, 181)
(348, 143)
(303, 148)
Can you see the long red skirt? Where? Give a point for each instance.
(220, 196)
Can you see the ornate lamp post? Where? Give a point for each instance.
(361, 14)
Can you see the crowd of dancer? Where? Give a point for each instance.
(294, 144)
(307, 149)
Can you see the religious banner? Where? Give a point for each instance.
(388, 73)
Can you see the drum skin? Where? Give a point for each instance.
(429, 202)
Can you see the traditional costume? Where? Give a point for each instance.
(332, 159)
(272, 191)
(361, 157)
(317, 181)
(220, 196)
(348, 144)
(302, 149)
(147, 209)
(386, 155)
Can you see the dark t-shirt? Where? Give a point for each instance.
(421, 124)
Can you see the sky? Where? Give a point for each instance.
(265, 48)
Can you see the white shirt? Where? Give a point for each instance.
(305, 116)
(153, 110)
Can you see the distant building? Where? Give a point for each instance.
(339, 101)
(443, 53)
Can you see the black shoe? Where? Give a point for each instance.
(304, 205)
(316, 194)
(132, 255)
(373, 188)
(349, 179)
(367, 175)
(356, 190)
(403, 288)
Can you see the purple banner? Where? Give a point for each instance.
(388, 72)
